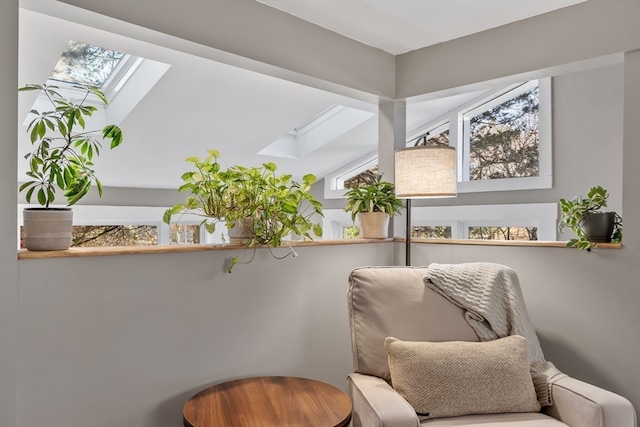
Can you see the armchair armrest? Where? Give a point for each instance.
(579, 404)
(376, 404)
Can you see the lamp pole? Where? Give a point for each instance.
(407, 241)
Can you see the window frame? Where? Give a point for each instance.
(541, 215)
(454, 121)
(544, 216)
(334, 182)
(460, 116)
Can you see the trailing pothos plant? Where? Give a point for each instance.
(377, 196)
(273, 206)
(574, 211)
(64, 150)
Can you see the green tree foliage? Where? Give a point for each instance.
(86, 64)
(431, 232)
(503, 233)
(504, 140)
(362, 179)
(114, 235)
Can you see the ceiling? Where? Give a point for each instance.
(200, 104)
(399, 26)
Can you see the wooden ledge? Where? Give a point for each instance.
(129, 250)
(532, 243)
(161, 249)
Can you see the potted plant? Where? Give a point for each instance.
(61, 160)
(373, 204)
(584, 218)
(267, 206)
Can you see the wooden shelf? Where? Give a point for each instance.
(128, 250)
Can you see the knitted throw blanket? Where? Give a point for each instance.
(494, 307)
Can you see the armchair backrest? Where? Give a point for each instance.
(394, 301)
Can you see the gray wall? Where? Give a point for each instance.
(584, 306)
(8, 200)
(587, 108)
(124, 340)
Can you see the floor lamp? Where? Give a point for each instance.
(424, 171)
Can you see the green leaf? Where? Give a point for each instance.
(114, 133)
(42, 197)
(232, 262)
(30, 192)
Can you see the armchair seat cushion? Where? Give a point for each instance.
(529, 419)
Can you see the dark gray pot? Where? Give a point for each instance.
(598, 226)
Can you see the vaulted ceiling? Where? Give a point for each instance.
(199, 103)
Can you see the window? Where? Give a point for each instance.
(503, 233)
(504, 140)
(114, 235)
(87, 64)
(334, 184)
(184, 234)
(436, 134)
(133, 226)
(116, 73)
(350, 232)
(431, 231)
(314, 133)
(531, 221)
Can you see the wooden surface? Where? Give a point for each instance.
(159, 249)
(268, 401)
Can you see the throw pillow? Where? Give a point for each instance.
(447, 379)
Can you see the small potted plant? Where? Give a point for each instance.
(268, 207)
(584, 218)
(373, 205)
(62, 160)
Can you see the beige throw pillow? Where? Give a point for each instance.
(447, 379)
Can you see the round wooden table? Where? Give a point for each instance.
(268, 401)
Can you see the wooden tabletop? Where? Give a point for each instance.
(268, 401)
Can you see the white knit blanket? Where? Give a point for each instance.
(494, 307)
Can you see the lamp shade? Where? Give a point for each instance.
(426, 171)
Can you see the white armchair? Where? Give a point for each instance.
(394, 301)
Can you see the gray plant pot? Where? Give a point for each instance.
(47, 229)
(598, 226)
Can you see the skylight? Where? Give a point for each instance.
(115, 73)
(317, 132)
(82, 63)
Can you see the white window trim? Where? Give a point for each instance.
(541, 215)
(333, 222)
(334, 182)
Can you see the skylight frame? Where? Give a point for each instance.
(116, 79)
